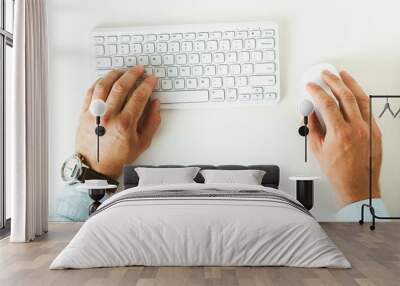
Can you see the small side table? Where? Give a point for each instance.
(305, 190)
(96, 193)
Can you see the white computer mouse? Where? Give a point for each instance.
(313, 74)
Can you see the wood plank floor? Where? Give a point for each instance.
(375, 257)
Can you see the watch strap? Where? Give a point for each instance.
(89, 174)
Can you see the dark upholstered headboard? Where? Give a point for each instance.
(270, 179)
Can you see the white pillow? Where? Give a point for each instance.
(165, 176)
(248, 177)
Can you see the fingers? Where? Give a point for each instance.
(88, 97)
(137, 102)
(327, 106)
(150, 124)
(121, 88)
(316, 133)
(104, 85)
(359, 94)
(344, 95)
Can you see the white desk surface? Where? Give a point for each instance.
(303, 178)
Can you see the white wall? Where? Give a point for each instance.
(361, 36)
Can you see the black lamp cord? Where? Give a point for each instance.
(98, 138)
(305, 138)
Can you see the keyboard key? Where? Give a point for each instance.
(172, 71)
(244, 56)
(216, 82)
(257, 97)
(98, 40)
(111, 50)
(124, 39)
(217, 95)
(231, 94)
(229, 81)
(130, 61)
(148, 70)
(159, 72)
(262, 80)
(102, 63)
(250, 44)
(247, 68)
(206, 58)
(111, 40)
(256, 56)
(182, 96)
(161, 47)
(184, 71)
(210, 70)
(168, 59)
(194, 59)
(228, 34)
(137, 38)
(143, 60)
(231, 57)
(241, 81)
(255, 33)
(166, 84)
(202, 36)
(199, 46)
(267, 33)
(225, 45)
(245, 90)
(150, 38)
(123, 49)
(235, 69)
(264, 68)
(163, 37)
(197, 70)
(266, 43)
(155, 60)
(241, 34)
(212, 45)
(222, 69)
(99, 50)
(173, 47)
(181, 59)
(189, 36)
(176, 37)
(148, 48)
(219, 57)
(179, 83)
(268, 56)
(204, 82)
(117, 62)
(237, 44)
(136, 48)
(244, 97)
(270, 96)
(187, 47)
(215, 35)
(191, 83)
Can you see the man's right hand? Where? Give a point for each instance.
(131, 120)
(342, 151)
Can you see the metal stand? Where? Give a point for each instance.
(96, 195)
(369, 205)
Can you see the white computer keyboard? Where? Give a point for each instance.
(198, 65)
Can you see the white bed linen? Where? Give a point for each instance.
(224, 232)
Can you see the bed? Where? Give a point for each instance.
(198, 224)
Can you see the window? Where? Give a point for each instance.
(6, 44)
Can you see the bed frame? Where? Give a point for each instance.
(270, 179)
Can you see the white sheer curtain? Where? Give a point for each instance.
(28, 123)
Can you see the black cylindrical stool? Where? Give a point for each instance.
(305, 190)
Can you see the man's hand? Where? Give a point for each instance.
(342, 151)
(130, 121)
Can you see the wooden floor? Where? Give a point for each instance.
(375, 257)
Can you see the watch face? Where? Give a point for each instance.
(71, 169)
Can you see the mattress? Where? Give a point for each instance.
(201, 225)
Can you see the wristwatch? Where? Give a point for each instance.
(75, 171)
